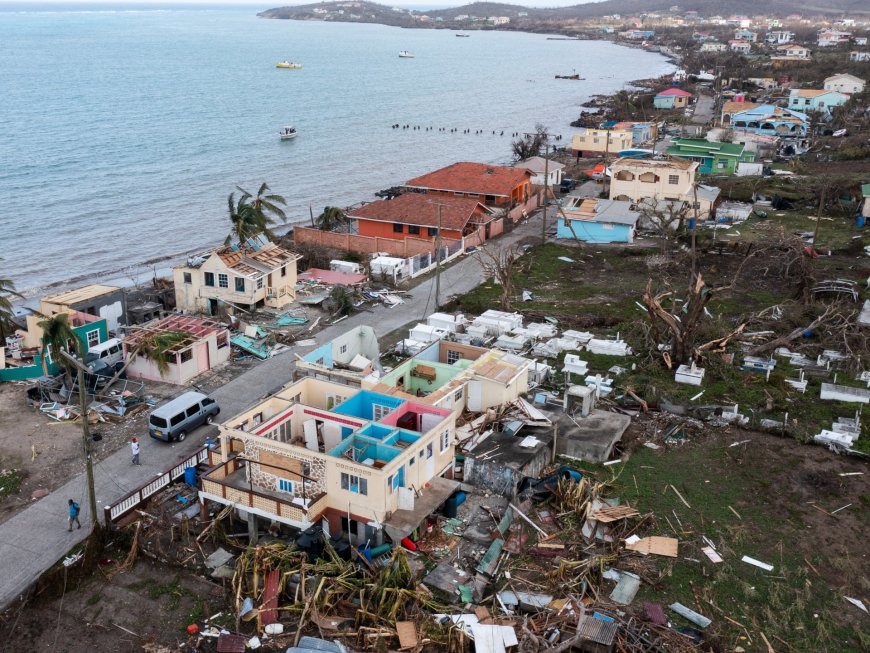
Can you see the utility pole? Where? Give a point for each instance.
(438, 258)
(606, 156)
(438, 262)
(546, 192)
(86, 435)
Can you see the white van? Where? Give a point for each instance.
(110, 352)
(173, 421)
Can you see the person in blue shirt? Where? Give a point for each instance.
(74, 514)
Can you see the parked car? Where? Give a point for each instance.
(173, 421)
(567, 185)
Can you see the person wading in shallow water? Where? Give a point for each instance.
(73, 514)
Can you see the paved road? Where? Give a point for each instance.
(36, 538)
(703, 113)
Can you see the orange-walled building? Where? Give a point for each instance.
(415, 215)
(495, 186)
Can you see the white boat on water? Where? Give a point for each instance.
(287, 133)
(405, 54)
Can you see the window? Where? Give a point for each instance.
(186, 355)
(240, 284)
(342, 349)
(355, 484)
(285, 486)
(421, 454)
(176, 420)
(93, 338)
(453, 356)
(429, 450)
(673, 180)
(413, 229)
(223, 281)
(489, 199)
(720, 165)
(260, 283)
(445, 440)
(391, 485)
(188, 278)
(398, 227)
(457, 396)
(257, 419)
(284, 271)
(379, 411)
(411, 461)
(397, 480)
(208, 278)
(193, 410)
(432, 231)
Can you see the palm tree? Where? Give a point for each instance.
(241, 218)
(331, 217)
(156, 347)
(253, 214)
(57, 336)
(7, 291)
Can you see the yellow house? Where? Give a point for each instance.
(351, 461)
(661, 180)
(597, 142)
(254, 274)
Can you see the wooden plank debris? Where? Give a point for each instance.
(614, 513)
(663, 546)
(407, 632)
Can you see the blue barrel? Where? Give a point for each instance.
(190, 476)
(460, 498)
(861, 221)
(691, 223)
(450, 507)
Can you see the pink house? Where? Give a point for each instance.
(207, 345)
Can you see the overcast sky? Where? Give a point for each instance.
(267, 4)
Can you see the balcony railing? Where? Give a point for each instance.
(216, 482)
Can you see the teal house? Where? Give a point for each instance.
(90, 329)
(598, 221)
(714, 158)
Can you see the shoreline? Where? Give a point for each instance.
(140, 273)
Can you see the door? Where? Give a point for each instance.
(430, 461)
(309, 428)
(212, 306)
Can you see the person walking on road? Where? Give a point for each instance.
(134, 448)
(73, 514)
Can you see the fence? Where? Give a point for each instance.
(404, 248)
(135, 498)
(422, 263)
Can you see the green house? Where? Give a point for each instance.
(715, 158)
(90, 330)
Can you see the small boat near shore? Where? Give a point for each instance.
(288, 64)
(575, 76)
(463, 36)
(288, 133)
(405, 54)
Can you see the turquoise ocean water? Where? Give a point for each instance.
(123, 132)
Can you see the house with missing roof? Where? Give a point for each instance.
(345, 359)
(811, 99)
(109, 302)
(496, 187)
(417, 215)
(593, 220)
(351, 461)
(456, 377)
(672, 98)
(247, 276)
(207, 345)
(656, 180)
